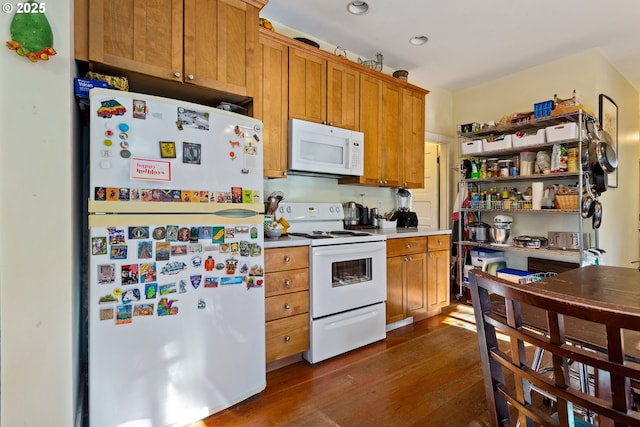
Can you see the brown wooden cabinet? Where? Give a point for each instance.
(286, 301)
(271, 104)
(209, 43)
(438, 272)
(413, 110)
(417, 277)
(322, 91)
(381, 105)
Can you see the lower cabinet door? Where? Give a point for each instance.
(416, 278)
(286, 337)
(395, 289)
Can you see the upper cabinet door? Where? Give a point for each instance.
(371, 125)
(391, 152)
(413, 140)
(271, 105)
(343, 91)
(220, 39)
(307, 87)
(138, 35)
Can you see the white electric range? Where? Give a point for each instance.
(348, 279)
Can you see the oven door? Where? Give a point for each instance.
(344, 277)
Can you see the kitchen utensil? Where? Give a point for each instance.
(373, 217)
(597, 214)
(599, 179)
(606, 156)
(404, 200)
(350, 213)
(479, 232)
(500, 235)
(363, 215)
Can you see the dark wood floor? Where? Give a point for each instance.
(424, 374)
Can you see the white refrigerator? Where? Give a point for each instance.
(176, 260)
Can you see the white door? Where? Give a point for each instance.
(426, 201)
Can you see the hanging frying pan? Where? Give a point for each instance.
(599, 179)
(605, 154)
(597, 214)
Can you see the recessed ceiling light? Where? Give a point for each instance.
(418, 40)
(358, 7)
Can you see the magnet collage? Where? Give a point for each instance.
(142, 270)
(235, 195)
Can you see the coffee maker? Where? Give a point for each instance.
(406, 218)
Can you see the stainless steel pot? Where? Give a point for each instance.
(479, 232)
(606, 156)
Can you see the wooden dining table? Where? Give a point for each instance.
(618, 287)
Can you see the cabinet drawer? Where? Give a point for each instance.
(407, 245)
(286, 337)
(282, 282)
(439, 242)
(276, 259)
(286, 305)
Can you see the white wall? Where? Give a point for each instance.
(37, 302)
(589, 74)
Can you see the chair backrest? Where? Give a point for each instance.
(513, 320)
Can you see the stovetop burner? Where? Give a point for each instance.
(311, 236)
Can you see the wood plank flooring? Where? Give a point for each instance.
(424, 374)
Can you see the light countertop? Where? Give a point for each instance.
(389, 233)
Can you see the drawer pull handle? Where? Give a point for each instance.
(287, 258)
(287, 306)
(407, 246)
(287, 338)
(410, 258)
(287, 282)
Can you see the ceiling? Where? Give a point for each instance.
(472, 42)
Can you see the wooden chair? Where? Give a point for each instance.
(504, 313)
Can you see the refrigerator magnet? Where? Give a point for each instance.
(182, 287)
(169, 288)
(159, 233)
(184, 234)
(145, 249)
(148, 272)
(173, 267)
(196, 261)
(151, 290)
(123, 194)
(209, 263)
(116, 235)
(140, 109)
(123, 314)
(218, 234)
(201, 304)
(139, 232)
(177, 250)
(211, 282)
(195, 248)
(204, 233)
(191, 153)
(195, 119)
(162, 251)
(106, 313)
(107, 299)
(118, 252)
(98, 246)
(143, 310)
(172, 233)
(166, 307)
(247, 196)
(193, 235)
(167, 149)
(131, 295)
(195, 280)
(112, 194)
(129, 274)
(236, 194)
(106, 274)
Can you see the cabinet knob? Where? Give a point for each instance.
(177, 74)
(287, 258)
(404, 184)
(190, 76)
(284, 174)
(385, 182)
(330, 123)
(287, 282)
(287, 338)
(381, 182)
(439, 242)
(407, 246)
(410, 258)
(405, 259)
(287, 306)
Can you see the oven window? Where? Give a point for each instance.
(351, 272)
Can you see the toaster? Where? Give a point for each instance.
(565, 240)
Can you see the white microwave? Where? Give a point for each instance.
(325, 150)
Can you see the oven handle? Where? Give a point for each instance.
(353, 319)
(361, 250)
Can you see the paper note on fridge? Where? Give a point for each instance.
(150, 170)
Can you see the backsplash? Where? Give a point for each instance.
(314, 189)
